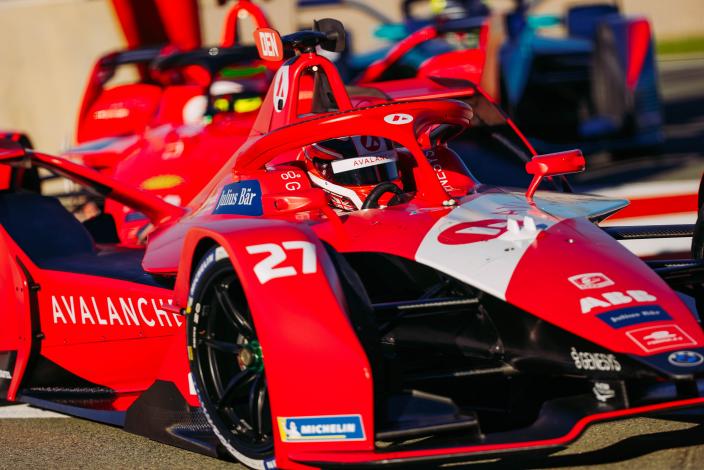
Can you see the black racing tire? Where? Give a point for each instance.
(698, 237)
(226, 362)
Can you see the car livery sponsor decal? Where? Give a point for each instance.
(276, 264)
(160, 182)
(482, 241)
(661, 337)
(191, 384)
(398, 119)
(269, 44)
(473, 232)
(603, 391)
(109, 311)
(595, 361)
(281, 89)
(590, 281)
(355, 163)
(685, 359)
(113, 112)
(270, 464)
(610, 299)
(321, 428)
(633, 316)
(243, 198)
(439, 171)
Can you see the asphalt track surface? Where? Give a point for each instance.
(32, 439)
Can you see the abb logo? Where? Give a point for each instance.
(609, 299)
(269, 44)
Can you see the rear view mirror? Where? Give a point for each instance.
(553, 164)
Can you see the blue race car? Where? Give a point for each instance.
(597, 85)
(594, 86)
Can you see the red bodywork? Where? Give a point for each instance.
(466, 64)
(241, 9)
(150, 22)
(135, 131)
(125, 336)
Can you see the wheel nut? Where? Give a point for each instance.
(245, 357)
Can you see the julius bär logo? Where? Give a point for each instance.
(234, 198)
(242, 198)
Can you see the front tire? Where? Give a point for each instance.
(698, 238)
(226, 361)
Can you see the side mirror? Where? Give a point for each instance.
(335, 32)
(553, 164)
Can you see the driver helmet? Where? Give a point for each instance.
(349, 168)
(455, 9)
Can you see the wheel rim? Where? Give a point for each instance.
(231, 366)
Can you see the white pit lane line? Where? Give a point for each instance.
(26, 412)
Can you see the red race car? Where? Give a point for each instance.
(344, 292)
(172, 126)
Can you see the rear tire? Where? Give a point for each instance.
(226, 362)
(698, 237)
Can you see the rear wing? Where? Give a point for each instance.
(106, 66)
(157, 210)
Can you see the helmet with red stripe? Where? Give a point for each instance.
(348, 169)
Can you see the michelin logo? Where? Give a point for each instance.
(321, 428)
(244, 198)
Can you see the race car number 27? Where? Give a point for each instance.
(275, 264)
